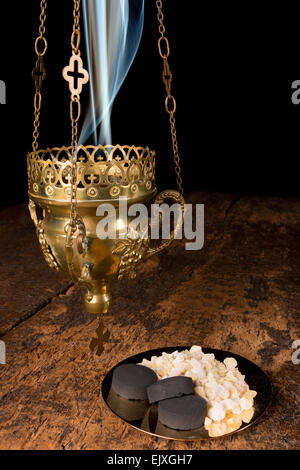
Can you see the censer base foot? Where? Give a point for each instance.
(98, 299)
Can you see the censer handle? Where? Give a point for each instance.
(177, 198)
(131, 251)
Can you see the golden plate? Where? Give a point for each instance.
(143, 417)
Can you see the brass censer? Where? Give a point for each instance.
(67, 185)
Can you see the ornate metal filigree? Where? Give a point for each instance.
(45, 247)
(75, 75)
(131, 252)
(103, 172)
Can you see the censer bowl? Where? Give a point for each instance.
(104, 174)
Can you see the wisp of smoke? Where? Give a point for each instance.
(113, 30)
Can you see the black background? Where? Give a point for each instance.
(237, 127)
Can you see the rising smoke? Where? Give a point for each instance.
(113, 30)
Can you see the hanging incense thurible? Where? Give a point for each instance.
(69, 183)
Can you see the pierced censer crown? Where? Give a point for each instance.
(69, 184)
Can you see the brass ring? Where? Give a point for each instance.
(168, 98)
(166, 55)
(75, 33)
(36, 44)
(37, 104)
(76, 100)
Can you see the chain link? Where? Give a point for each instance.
(75, 38)
(74, 115)
(74, 124)
(170, 102)
(39, 74)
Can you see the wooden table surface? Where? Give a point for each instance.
(241, 293)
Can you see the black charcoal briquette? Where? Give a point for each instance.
(130, 410)
(185, 413)
(131, 381)
(171, 387)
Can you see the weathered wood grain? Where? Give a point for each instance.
(240, 293)
(26, 282)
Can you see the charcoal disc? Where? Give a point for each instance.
(171, 387)
(184, 413)
(131, 381)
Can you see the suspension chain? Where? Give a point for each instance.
(75, 86)
(39, 74)
(170, 102)
(75, 38)
(75, 100)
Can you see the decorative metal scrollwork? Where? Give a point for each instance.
(132, 251)
(102, 172)
(45, 247)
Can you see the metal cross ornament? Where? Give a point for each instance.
(39, 73)
(75, 75)
(97, 344)
(167, 76)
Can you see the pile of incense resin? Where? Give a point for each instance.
(230, 402)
